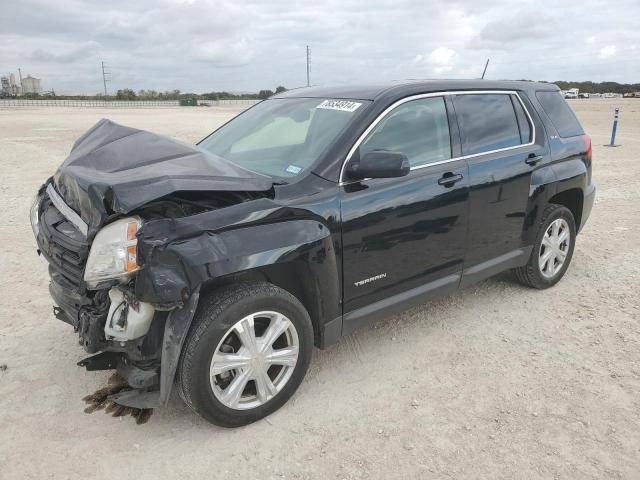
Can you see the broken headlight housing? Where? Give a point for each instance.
(34, 215)
(114, 252)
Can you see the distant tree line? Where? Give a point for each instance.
(128, 94)
(601, 87)
(131, 95)
(261, 95)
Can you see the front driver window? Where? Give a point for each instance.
(418, 128)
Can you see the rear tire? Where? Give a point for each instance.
(551, 255)
(235, 324)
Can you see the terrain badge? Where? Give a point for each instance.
(359, 283)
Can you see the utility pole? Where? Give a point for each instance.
(485, 68)
(104, 78)
(308, 59)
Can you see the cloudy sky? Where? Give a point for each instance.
(205, 45)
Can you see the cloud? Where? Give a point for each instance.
(224, 52)
(441, 60)
(88, 49)
(205, 45)
(505, 31)
(608, 51)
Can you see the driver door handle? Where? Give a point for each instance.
(533, 159)
(450, 179)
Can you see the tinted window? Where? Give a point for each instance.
(418, 128)
(488, 122)
(523, 121)
(560, 114)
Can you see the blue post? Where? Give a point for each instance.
(615, 127)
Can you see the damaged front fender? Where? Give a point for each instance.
(180, 255)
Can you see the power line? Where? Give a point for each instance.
(308, 61)
(104, 78)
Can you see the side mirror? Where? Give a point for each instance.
(379, 164)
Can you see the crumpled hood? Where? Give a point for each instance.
(114, 169)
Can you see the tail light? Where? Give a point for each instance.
(587, 144)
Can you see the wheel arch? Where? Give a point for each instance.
(572, 179)
(562, 183)
(315, 286)
(573, 199)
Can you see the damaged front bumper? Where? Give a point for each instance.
(151, 386)
(139, 341)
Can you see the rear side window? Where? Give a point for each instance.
(487, 121)
(560, 114)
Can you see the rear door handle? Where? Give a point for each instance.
(450, 179)
(533, 159)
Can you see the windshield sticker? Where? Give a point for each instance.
(293, 169)
(342, 105)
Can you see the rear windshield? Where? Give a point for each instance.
(560, 114)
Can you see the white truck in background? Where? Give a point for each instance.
(571, 93)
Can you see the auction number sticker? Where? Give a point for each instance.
(342, 105)
(293, 169)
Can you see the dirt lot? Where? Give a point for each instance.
(498, 381)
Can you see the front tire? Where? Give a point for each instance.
(246, 353)
(552, 251)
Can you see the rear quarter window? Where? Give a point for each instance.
(560, 114)
(523, 121)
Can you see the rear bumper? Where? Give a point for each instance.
(587, 204)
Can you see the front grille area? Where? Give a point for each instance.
(63, 246)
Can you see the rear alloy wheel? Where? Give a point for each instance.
(246, 353)
(554, 248)
(552, 251)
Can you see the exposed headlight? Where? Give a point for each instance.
(34, 215)
(114, 252)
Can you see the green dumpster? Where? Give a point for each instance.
(189, 102)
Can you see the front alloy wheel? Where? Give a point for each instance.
(254, 360)
(246, 353)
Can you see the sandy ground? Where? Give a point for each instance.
(497, 381)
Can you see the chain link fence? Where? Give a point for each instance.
(24, 103)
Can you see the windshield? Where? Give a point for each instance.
(282, 137)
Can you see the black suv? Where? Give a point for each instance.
(220, 266)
